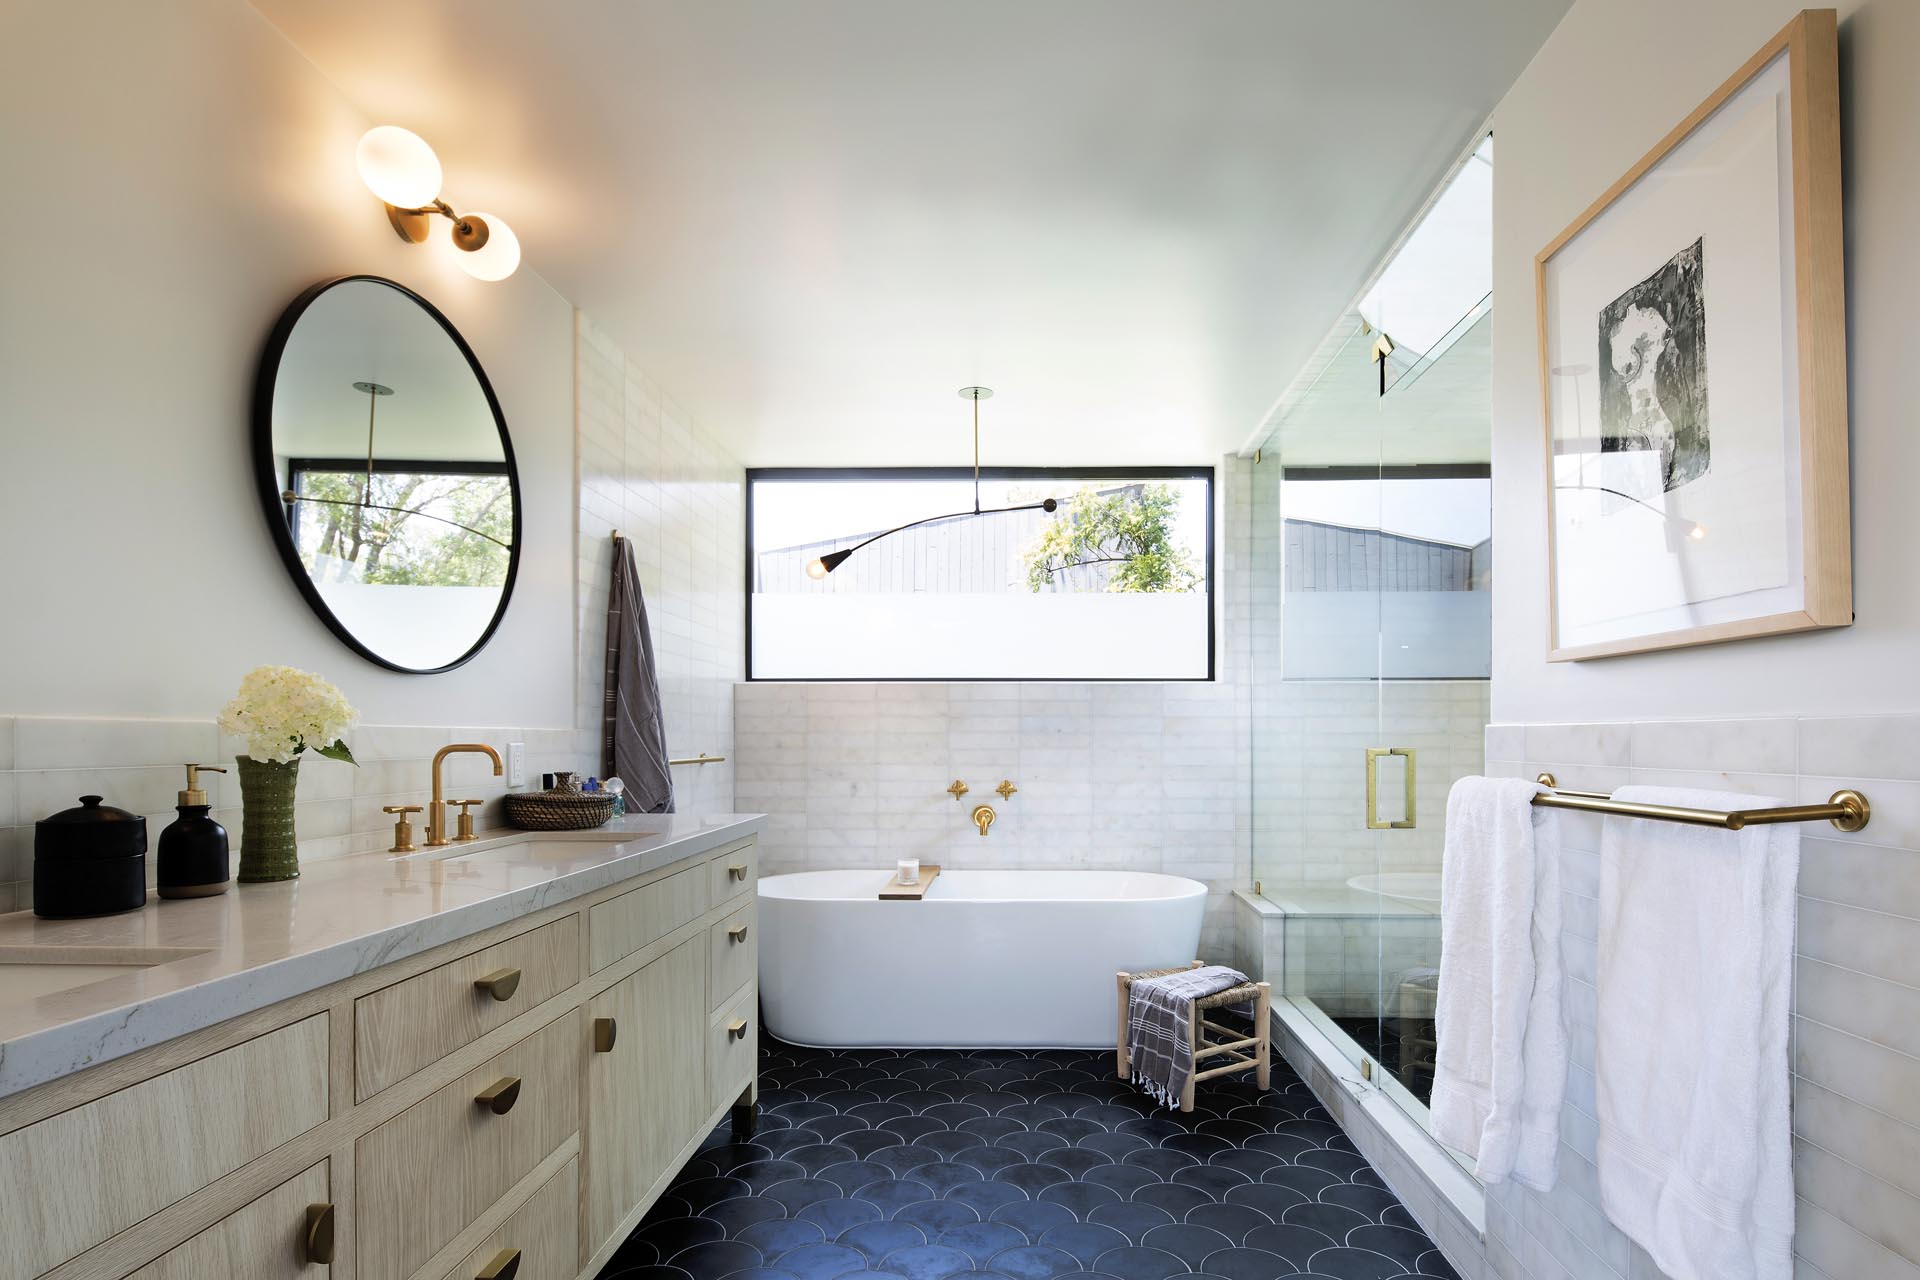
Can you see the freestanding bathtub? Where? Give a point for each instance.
(1001, 959)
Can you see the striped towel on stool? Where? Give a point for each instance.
(1158, 1010)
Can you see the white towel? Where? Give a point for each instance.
(1501, 1058)
(1690, 1066)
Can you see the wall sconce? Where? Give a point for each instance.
(398, 166)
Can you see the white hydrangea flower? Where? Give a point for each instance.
(282, 711)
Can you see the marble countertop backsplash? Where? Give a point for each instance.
(259, 944)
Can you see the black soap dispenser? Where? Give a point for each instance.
(193, 848)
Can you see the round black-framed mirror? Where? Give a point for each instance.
(387, 474)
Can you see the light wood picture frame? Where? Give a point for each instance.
(1666, 528)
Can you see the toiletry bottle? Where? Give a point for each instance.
(193, 848)
(618, 790)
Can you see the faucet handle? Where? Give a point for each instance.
(402, 829)
(958, 789)
(466, 818)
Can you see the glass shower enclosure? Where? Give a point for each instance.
(1372, 561)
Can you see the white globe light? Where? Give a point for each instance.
(498, 257)
(398, 166)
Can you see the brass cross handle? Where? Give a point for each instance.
(402, 829)
(1006, 788)
(466, 819)
(958, 789)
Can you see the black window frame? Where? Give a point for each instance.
(1206, 475)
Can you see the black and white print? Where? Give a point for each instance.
(1022, 1165)
(1653, 376)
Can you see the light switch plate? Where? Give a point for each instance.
(516, 764)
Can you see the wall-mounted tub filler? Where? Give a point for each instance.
(983, 817)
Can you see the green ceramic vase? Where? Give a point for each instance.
(267, 849)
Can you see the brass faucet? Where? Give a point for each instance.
(983, 817)
(437, 811)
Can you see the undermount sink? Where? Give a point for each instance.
(528, 845)
(27, 973)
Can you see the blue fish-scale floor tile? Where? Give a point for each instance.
(882, 1164)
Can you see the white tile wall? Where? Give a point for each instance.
(1147, 777)
(1856, 1046)
(647, 470)
(136, 765)
(1141, 776)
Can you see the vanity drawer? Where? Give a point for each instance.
(543, 1234)
(267, 1240)
(621, 926)
(733, 1038)
(734, 948)
(734, 872)
(428, 1172)
(402, 1028)
(73, 1179)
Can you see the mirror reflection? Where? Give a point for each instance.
(393, 475)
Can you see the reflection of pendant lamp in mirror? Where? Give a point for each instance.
(399, 167)
(373, 392)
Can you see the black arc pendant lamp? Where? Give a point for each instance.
(826, 564)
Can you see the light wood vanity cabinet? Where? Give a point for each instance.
(72, 1180)
(267, 1240)
(530, 1089)
(644, 1095)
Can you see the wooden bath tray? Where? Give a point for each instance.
(894, 891)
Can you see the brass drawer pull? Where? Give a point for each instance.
(500, 1096)
(500, 984)
(737, 871)
(737, 1029)
(505, 1266)
(604, 1032)
(738, 933)
(319, 1235)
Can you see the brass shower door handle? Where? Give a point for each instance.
(1373, 789)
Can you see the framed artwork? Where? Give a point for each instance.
(1693, 375)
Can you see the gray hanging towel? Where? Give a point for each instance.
(633, 723)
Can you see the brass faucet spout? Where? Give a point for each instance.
(983, 817)
(437, 811)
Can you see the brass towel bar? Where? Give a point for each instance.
(1846, 809)
(702, 758)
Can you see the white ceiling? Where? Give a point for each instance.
(811, 222)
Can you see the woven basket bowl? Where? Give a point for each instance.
(558, 810)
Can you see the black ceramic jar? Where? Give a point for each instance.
(89, 861)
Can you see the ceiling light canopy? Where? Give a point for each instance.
(401, 169)
(821, 566)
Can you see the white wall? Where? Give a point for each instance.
(1791, 716)
(173, 175)
(1612, 80)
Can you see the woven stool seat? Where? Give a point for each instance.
(1241, 1051)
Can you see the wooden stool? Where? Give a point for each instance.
(1233, 1045)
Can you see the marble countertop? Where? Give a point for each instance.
(179, 965)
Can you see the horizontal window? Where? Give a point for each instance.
(913, 574)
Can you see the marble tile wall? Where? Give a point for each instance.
(47, 763)
(648, 470)
(1856, 1029)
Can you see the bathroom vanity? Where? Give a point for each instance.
(479, 1061)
